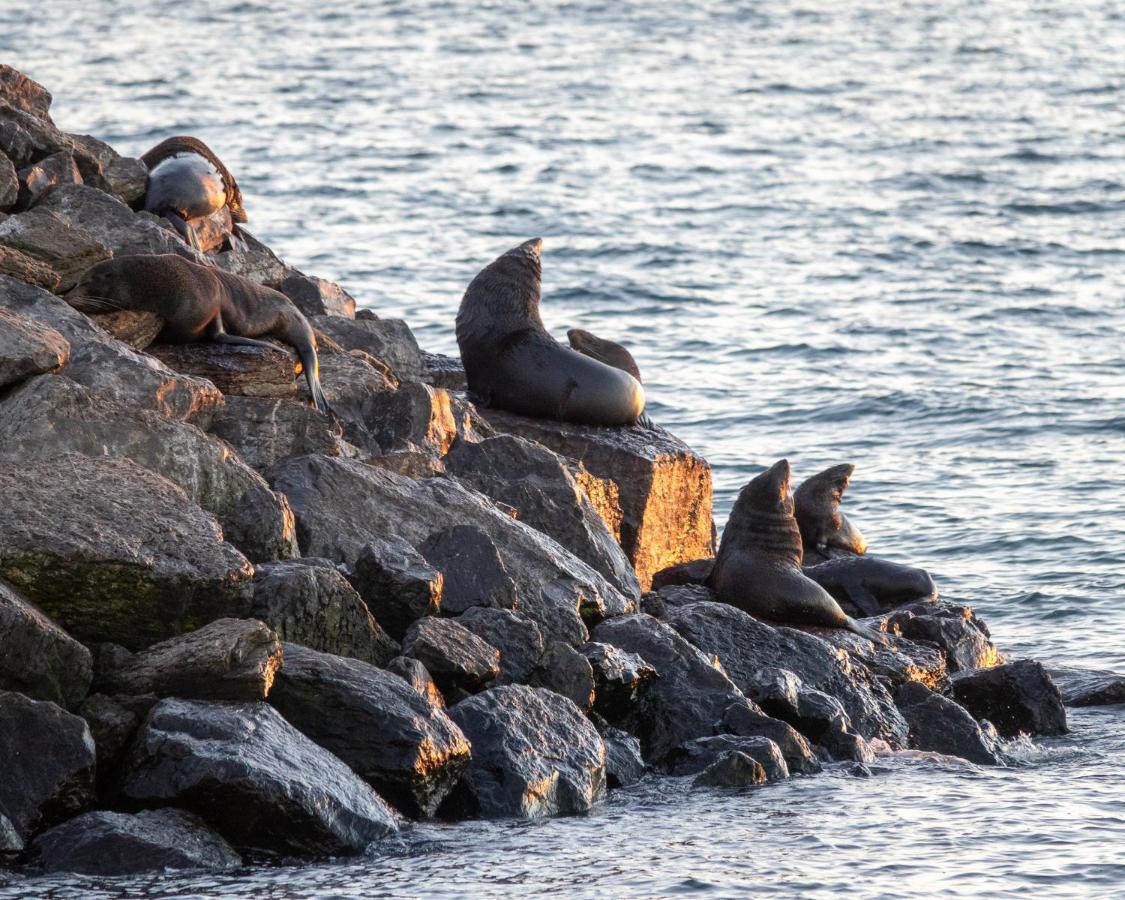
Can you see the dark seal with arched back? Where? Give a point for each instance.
(200, 303)
(512, 362)
(824, 528)
(758, 567)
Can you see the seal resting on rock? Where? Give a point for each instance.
(609, 352)
(816, 504)
(200, 303)
(512, 362)
(186, 181)
(758, 567)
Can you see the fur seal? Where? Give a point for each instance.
(758, 567)
(186, 181)
(512, 362)
(871, 585)
(200, 303)
(612, 354)
(816, 504)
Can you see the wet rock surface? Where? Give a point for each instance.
(620, 678)
(624, 764)
(733, 769)
(1085, 688)
(699, 754)
(519, 640)
(952, 628)
(940, 725)
(565, 671)
(472, 572)
(1015, 697)
(397, 583)
(264, 432)
(458, 660)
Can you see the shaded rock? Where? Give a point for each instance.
(389, 340)
(22, 267)
(9, 184)
(113, 843)
(234, 370)
(397, 583)
(359, 394)
(415, 464)
(415, 675)
(45, 237)
(39, 659)
(472, 573)
(48, 771)
(732, 769)
(384, 729)
(519, 640)
(102, 167)
(951, 628)
(108, 657)
(38, 178)
(565, 671)
(624, 764)
(660, 511)
(745, 719)
(534, 754)
(113, 725)
(26, 137)
(23, 93)
(1085, 688)
(414, 415)
(136, 327)
(213, 231)
(315, 296)
(1015, 697)
(697, 755)
(254, 778)
(444, 371)
(942, 726)
(456, 658)
(620, 678)
(309, 602)
(685, 594)
(133, 561)
(264, 432)
(697, 571)
(252, 259)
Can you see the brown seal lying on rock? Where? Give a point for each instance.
(200, 303)
(758, 567)
(512, 362)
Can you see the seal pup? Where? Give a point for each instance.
(512, 362)
(609, 352)
(758, 567)
(200, 303)
(816, 504)
(186, 181)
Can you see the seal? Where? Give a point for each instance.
(758, 567)
(871, 585)
(512, 362)
(186, 181)
(612, 354)
(200, 303)
(824, 529)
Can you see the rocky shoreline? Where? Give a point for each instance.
(237, 630)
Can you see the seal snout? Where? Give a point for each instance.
(535, 246)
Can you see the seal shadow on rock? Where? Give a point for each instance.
(200, 303)
(758, 567)
(512, 362)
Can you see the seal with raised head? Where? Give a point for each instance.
(200, 303)
(187, 181)
(816, 504)
(758, 567)
(512, 362)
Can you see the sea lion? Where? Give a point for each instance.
(200, 303)
(512, 362)
(872, 585)
(816, 504)
(187, 181)
(612, 354)
(758, 567)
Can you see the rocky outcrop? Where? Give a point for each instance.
(136, 327)
(624, 764)
(47, 238)
(264, 432)
(697, 755)
(397, 583)
(458, 660)
(113, 724)
(388, 340)
(620, 679)
(940, 725)
(1017, 697)
(22, 267)
(565, 671)
(733, 769)
(28, 347)
(36, 179)
(316, 296)
(414, 674)
(102, 167)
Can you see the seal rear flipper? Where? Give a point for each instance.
(870, 633)
(221, 337)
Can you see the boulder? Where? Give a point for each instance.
(901, 661)
(113, 725)
(316, 296)
(698, 754)
(44, 236)
(413, 416)
(358, 392)
(733, 769)
(235, 370)
(939, 725)
(133, 561)
(37, 179)
(264, 432)
(341, 505)
(407, 748)
(212, 232)
(952, 628)
(624, 764)
(565, 671)
(534, 754)
(519, 640)
(22, 267)
(102, 167)
(1015, 697)
(1080, 687)
(48, 771)
(25, 136)
(746, 719)
(414, 674)
(539, 486)
(309, 602)
(397, 583)
(252, 259)
(697, 571)
(444, 371)
(659, 503)
(11, 844)
(389, 340)
(39, 659)
(136, 327)
(254, 778)
(472, 572)
(458, 660)
(9, 184)
(620, 678)
(113, 843)
(23, 93)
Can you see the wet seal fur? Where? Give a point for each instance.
(758, 567)
(512, 362)
(200, 303)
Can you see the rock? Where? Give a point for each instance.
(254, 778)
(939, 725)
(414, 464)
(414, 415)
(697, 755)
(1015, 697)
(112, 843)
(38, 178)
(228, 659)
(23, 93)
(134, 560)
(389, 340)
(534, 754)
(252, 259)
(53, 412)
(624, 764)
(28, 347)
(46, 237)
(1084, 688)
(22, 267)
(397, 583)
(113, 725)
(109, 368)
(48, 771)
(264, 432)
(456, 658)
(538, 485)
(135, 327)
(444, 371)
(472, 573)
(25, 137)
(415, 675)
(697, 571)
(234, 370)
(904, 660)
(660, 506)
(315, 296)
(565, 671)
(732, 769)
(102, 167)
(309, 602)
(519, 640)
(213, 231)
(358, 392)
(407, 748)
(11, 844)
(9, 184)
(746, 719)
(620, 678)
(952, 628)
(342, 505)
(39, 659)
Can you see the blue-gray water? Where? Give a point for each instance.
(869, 232)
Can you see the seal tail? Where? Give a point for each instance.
(183, 143)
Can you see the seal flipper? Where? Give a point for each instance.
(864, 632)
(237, 340)
(861, 598)
(182, 228)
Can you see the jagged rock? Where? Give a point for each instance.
(25, 136)
(9, 184)
(697, 571)
(732, 769)
(109, 368)
(48, 771)
(519, 640)
(38, 178)
(102, 167)
(309, 602)
(942, 726)
(11, 844)
(444, 371)
(23, 93)
(28, 347)
(389, 340)
(254, 260)
(624, 764)
(397, 583)
(415, 675)
(952, 628)
(136, 327)
(112, 843)
(414, 415)
(620, 678)
(254, 778)
(1085, 688)
(538, 485)
(1015, 697)
(113, 726)
(133, 560)
(234, 370)
(660, 507)
(44, 236)
(52, 412)
(315, 296)
(342, 505)
(387, 732)
(414, 464)
(472, 573)
(264, 432)
(456, 658)
(565, 671)
(904, 660)
(22, 267)
(39, 659)
(108, 656)
(699, 754)
(745, 719)
(685, 594)
(534, 754)
(213, 231)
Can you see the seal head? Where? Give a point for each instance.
(817, 505)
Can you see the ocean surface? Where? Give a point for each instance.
(879, 233)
